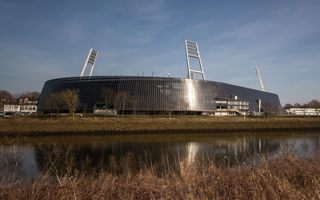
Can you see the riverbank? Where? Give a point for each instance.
(287, 177)
(162, 125)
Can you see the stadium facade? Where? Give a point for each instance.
(157, 95)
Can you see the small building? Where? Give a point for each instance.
(230, 106)
(23, 109)
(304, 111)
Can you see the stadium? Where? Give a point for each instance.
(159, 95)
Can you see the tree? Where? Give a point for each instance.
(109, 97)
(268, 108)
(297, 105)
(313, 104)
(121, 101)
(171, 106)
(288, 106)
(134, 103)
(5, 97)
(28, 96)
(71, 99)
(33, 96)
(54, 102)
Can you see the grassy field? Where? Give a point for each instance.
(287, 177)
(131, 125)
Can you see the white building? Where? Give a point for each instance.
(304, 111)
(14, 109)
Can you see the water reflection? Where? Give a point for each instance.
(161, 153)
(18, 161)
(192, 150)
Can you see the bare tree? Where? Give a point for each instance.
(109, 97)
(297, 105)
(5, 97)
(134, 103)
(54, 102)
(121, 101)
(287, 106)
(28, 96)
(268, 109)
(314, 104)
(171, 106)
(71, 99)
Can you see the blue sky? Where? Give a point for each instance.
(42, 39)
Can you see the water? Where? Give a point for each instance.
(27, 157)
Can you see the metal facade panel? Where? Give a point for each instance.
(153, 94)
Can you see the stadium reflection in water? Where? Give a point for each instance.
(114, 153)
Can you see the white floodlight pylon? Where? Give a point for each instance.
(192, 50)
(91, 60)
(260, 78)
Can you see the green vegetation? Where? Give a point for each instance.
(137, 125)
(287, 177)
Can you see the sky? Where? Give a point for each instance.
(43, 39)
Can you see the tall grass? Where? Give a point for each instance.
(130, 125)
(288, 177)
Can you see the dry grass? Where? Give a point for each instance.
(128, 125)
(288, 177)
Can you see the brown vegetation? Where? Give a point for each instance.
(312, 104)
(285, 178)
(7, 98)
(71, 99)
(130, 125)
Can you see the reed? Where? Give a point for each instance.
(287, 177)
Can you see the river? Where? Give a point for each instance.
(26, 157)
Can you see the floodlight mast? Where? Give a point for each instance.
(260, 78)
(192, 51)
(91, 60)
